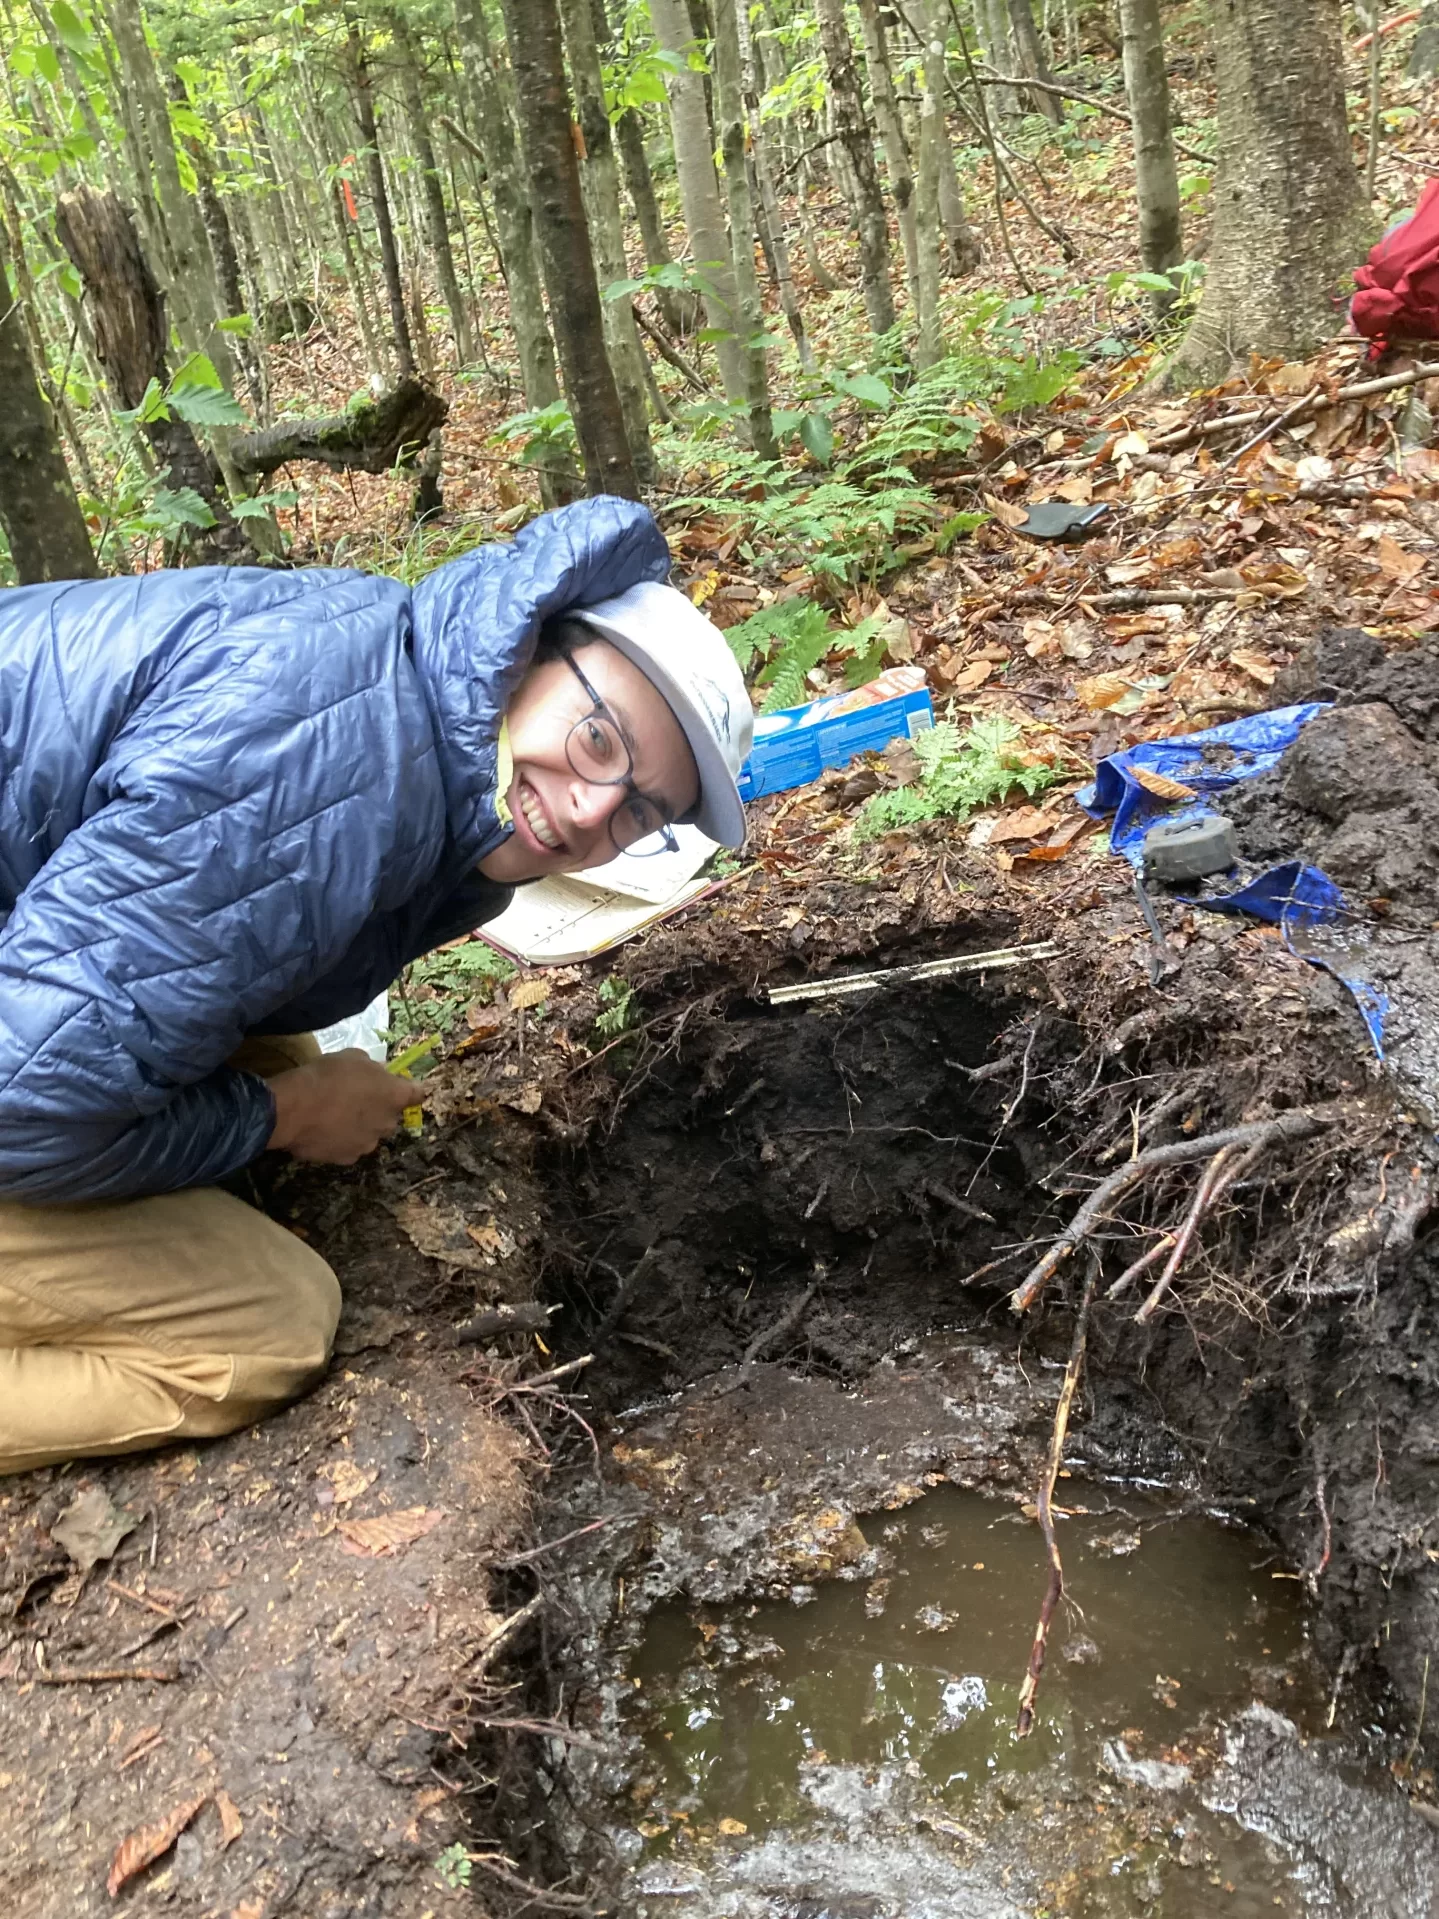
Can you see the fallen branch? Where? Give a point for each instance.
(1085, 99)
(1054, 1588)
(1272, 426)
(1127, 599)
(103, 1675)
(1183, 1152)
(1360, 390)
(372, 437)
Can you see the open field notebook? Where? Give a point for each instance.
(574, 916)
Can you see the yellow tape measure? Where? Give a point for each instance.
(420, 1054)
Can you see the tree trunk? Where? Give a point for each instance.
(39, 512)
(991, 20)
(437, 223)
(852, 129)
(1156, 175)
(363, 94)
(552, 165)
(1290, 219)
(769, 215)
(127, 311)
(188, 270)
(515, 235)
(961, 242)
(1030, 48)
(699, 193)
(600, 184)
(891, 133)
(933, 136)
(729, 106)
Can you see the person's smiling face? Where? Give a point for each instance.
(561, 820)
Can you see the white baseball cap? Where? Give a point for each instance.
(689, 660)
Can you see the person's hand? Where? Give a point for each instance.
(338, 1108)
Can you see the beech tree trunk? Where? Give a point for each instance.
(1146, 81)
(961, 242)
(600, 184)
(437, 219)
(515, 234)
(1032, 61)
(891, 133)
(769, 215)
(729, 107)
(700, 195)
(1290, 218)
(39, 512)
(851, 126)
(933, 136)
(552, 164)
(363, 94)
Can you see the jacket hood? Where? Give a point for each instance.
(476, 622)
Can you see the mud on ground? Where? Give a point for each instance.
(756, 1219)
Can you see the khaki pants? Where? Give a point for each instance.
(127, 1323)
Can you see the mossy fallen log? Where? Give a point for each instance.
(371, 435)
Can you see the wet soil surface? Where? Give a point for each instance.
(858, 1741)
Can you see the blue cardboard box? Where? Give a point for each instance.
(795, 746)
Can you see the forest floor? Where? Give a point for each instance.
(366, 1671)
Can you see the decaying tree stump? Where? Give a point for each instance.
(127, 313)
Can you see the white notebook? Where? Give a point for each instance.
(573, 916)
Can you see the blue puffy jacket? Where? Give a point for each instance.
(236, 801)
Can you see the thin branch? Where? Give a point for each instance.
(1088, 100)
(1054, 1588)
(669, 350)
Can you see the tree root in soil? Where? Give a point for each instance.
(1256, 1136)
(1054, 1589)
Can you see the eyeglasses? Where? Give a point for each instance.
(597, 751)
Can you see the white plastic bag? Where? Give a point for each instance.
(363, 1030)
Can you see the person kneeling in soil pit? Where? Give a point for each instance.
(233, 804)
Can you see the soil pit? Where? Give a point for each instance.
(791, 1254)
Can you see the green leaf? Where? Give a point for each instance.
(197, 371)
(173, 510)
(707, 335)
(187, 122)
(817, 437)
(241, 325)
(47, 63)
(868, 388)
(71, 28)
(620, 289)
(203, 407)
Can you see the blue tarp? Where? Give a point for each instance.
(1210, 762)
(1299, 899)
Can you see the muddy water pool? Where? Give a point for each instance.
(851, 1752)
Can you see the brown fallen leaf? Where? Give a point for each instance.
(231, 1824)
(91, 1527)
(388, 1533)
(732, 1828)
(144, 1846)
(1128, 572)
(249, 1909)
(1160, 784)
(527, 992)
(1024, 823)
(347, 1480)
(526, 1099)
(1399, 566)
(971, 676)
(1103, 690)
(1257, 665)
(425, 1802)
(438, 1229)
